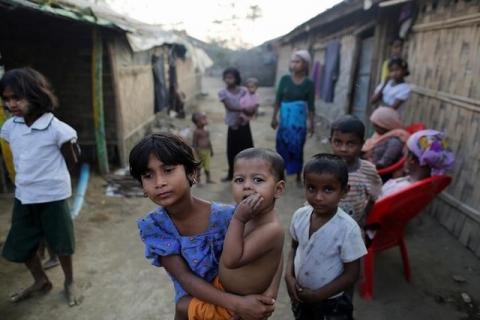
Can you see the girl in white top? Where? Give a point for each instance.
(42, 146)
(327, 245)
(393, 92)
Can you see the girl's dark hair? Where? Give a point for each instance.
(31, 85)
(276, 161)
(349, 124)
(167, 148)
(401, 63)
(235, 73)
(328, 163)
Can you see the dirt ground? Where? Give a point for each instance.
(118, 283)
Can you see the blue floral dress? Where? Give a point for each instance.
(201, 252)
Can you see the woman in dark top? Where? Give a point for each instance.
(295, 101)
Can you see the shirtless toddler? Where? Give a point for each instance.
(201, 142)
(251, 261)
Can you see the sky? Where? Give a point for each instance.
(200, 18)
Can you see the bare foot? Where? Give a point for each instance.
(51, 263)
(210, 181)
(40, 287)
(72, 295)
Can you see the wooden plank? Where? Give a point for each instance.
(465, 234)
(118, 104)
(463, 102)
(474, 238)
(97, 97)
(464, 208)
(450, 23)
(458, 225)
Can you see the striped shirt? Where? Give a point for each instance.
(365, 185)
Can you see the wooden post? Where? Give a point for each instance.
(118, 104)
(97, 96)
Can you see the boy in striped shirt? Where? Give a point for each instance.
(347, 138)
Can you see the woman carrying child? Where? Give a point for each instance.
(295, 102)
(239, 135)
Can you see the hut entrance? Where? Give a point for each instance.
(160, 94)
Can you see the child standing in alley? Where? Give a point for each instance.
(249, 101)
(201, 143)
(42, 148)
(327, 245)
(251, 261)
(347, 138)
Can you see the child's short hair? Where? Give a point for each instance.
(235, 73)
(397, 39)
(328, 163)
(349, 124)
(400, 63)
(166, 147)
(253, 81)
(270, 156)
(196, 115)
(31, 85)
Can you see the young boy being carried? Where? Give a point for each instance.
(327, 245)
(347, 138)
(251, 261)
(249, 101)
(201, 143)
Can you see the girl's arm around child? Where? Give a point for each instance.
(247, 307)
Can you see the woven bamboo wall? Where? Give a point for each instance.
(444, 59)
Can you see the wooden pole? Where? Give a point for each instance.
(118, 104)
(97, 96)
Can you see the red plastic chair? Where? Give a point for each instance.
(400, 163)
(390, 216)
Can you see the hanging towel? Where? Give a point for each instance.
(317, 76)
(331, 69)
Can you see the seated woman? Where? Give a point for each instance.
(428, 155)
(387, 144)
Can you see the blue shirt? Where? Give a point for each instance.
(201, 252)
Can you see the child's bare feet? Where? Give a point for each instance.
(71, 294)
(51, 263)
(39, 287)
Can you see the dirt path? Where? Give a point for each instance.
(118, 283)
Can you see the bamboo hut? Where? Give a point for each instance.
(112, 75)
